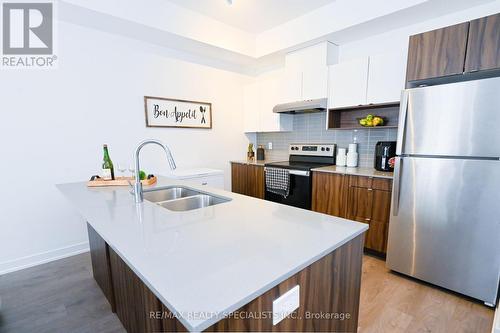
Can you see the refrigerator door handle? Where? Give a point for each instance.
(403, 110)
(397, 186)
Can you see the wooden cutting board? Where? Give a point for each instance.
(120, 181)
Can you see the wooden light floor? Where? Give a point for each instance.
(62, 296)
(394, 303)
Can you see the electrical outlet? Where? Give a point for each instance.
(286, 304)
(269, 145)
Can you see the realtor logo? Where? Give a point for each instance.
(28, 29)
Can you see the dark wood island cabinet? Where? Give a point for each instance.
(329, 295)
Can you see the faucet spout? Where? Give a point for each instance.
(138, 193)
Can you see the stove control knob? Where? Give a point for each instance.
(327, 149)
(322, 148)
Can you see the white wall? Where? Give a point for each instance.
(53, 124)
(397, 40)
(334, 17)
(169, 17)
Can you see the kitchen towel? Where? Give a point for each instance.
(278, 181)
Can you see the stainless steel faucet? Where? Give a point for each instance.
(138, 192)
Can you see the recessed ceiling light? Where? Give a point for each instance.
(229, 2)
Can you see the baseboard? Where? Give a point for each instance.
(42, 258)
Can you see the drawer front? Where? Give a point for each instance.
(382, 184)
(216, 181)
(360, 181)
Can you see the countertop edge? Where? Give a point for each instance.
(362, 172)
(355, 172)
(256, 163)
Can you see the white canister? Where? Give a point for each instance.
(341, 157)
(353, 148)
(352, 159)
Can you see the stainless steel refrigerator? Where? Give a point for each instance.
(445, 214)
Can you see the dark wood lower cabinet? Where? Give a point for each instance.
(358, 198)
(101, 269)
(255, 181)
(328, 201)
(239, 178)
(360, 203)
(369, 201)
(248, 179)
(328, 287)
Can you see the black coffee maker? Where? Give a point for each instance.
(384, 151)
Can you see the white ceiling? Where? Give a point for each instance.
(253, 16)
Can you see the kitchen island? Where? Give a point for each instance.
(220, 268)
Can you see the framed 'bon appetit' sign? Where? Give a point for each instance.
(167, 112)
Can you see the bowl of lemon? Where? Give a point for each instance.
(371, 121)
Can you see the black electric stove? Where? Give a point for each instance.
(302, 158)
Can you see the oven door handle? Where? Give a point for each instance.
(297, 172)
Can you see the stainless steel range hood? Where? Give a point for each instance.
(312, 105)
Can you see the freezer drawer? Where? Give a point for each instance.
(457, 119)
(445, 224)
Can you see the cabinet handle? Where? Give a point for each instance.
(204, 183)
(367, 219)
(370, 189)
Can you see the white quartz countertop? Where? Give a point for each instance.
(206, 263)
(367, 172)
(254, 162)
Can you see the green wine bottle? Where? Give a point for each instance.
(108, 171)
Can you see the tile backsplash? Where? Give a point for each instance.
(311, 128)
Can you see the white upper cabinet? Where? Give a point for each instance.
(374, 80)
(251, 107)
(259, 100)
(307, 72)
(305, 76)
(315, 83)
(269, 120)
(291, 86)
(386, 77)
(348, 83)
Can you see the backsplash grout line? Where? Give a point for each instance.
(311, 128)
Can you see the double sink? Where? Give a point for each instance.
(181, 198)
